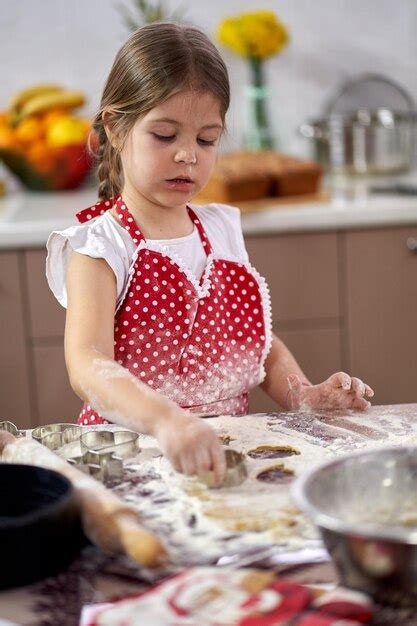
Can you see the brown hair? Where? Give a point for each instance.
(157, 61)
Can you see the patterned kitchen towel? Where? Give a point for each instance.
(209, 596)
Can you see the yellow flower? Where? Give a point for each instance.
(258, 34)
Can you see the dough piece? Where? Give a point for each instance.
(272, 452)
(276, 474)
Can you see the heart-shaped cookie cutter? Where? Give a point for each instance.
(72, 432)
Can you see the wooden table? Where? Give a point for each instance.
(95, 577)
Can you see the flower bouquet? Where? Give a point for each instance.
(256, 36)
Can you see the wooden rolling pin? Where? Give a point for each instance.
(107, 521)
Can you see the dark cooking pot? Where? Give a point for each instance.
(40, 528)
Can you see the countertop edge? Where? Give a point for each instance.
(18, 231)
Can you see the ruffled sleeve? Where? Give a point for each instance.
(86, 239)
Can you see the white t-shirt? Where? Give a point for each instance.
(103, 237)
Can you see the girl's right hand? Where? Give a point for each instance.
(191, 445)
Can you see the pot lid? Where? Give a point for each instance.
(372, 93)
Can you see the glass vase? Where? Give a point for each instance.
(258, 134)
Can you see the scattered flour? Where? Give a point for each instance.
(199, 525)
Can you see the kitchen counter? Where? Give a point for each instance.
(26, 219)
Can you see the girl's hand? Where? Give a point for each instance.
(192, 446)
(339, 391)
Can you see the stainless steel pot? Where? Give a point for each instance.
(370, 141)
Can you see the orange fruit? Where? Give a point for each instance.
(29, 130)
(8, 138)
(41, 157)
(4, 118)
(52, 116)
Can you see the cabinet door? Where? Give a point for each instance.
(56, 401)
(318, 351)
(302, 274)
(47, 316)
(382, 312)
(14, 367)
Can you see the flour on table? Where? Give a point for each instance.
(199, 525)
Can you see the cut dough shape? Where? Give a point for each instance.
(276, 474)
(272, 452)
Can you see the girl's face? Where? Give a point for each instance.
(170, 152)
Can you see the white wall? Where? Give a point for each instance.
(74, 42)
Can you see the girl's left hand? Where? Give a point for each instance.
(339, 391)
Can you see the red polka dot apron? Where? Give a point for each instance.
(202, 343)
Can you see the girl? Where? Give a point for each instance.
(166, 318)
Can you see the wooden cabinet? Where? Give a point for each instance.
(340, 301)
(302, 272)
(16, 386)
(381, 300)
(54, 399)
(46, 315)
(34, 387)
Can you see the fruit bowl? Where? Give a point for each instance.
(64, 167)
(42, 141)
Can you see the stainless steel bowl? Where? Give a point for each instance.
(365, 506)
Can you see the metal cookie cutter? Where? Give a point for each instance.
(101, 452)
(12, 429)
(42, 432)
(236, 471)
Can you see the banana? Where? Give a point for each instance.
(43, 102)
(22, 97)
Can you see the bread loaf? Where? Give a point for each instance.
(292, 176)
(251, 175)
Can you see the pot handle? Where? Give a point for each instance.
(310, 131)
(352, 82)
(412, 244)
